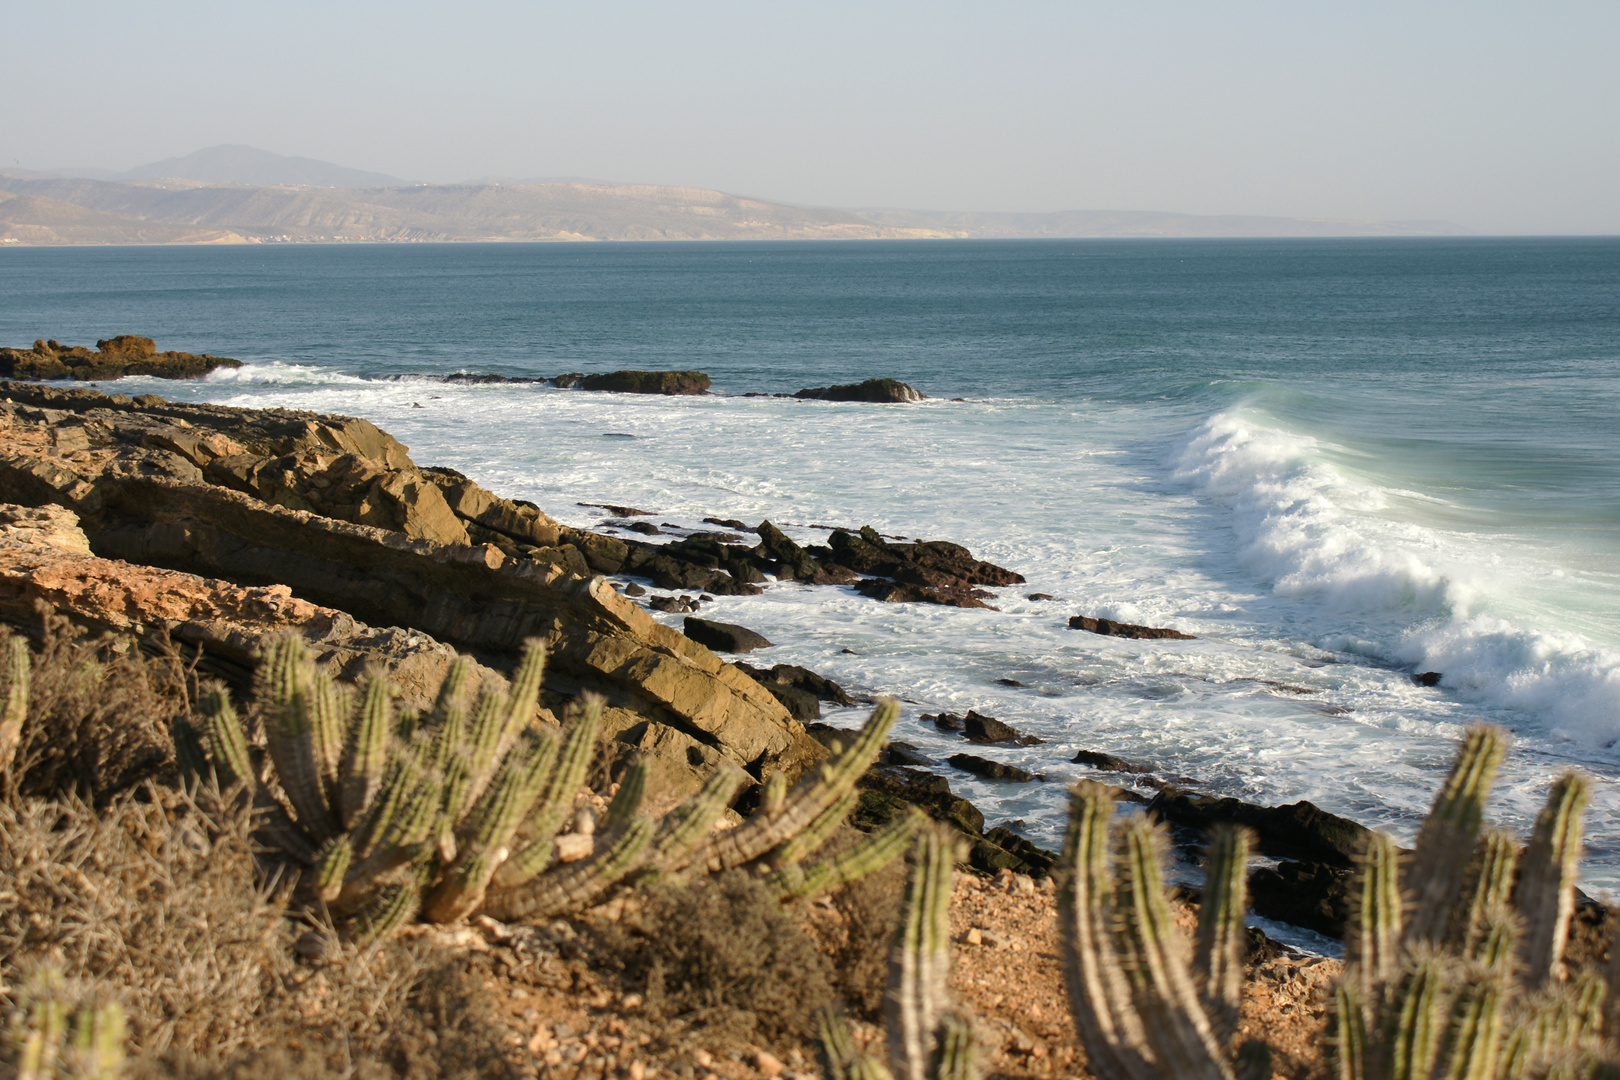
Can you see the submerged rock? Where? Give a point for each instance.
(876, 390)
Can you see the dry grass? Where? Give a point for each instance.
(99, 714)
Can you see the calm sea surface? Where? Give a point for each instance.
(1336, 462)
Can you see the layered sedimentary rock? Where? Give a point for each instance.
(335, 510)
(113, 358)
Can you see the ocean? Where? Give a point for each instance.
(1338, 463)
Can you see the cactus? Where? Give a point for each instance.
(460, 810)
(52, 1037)
(1446, 975)
(928, 1037)
(16, 669)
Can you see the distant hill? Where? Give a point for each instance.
(440, 213)
(30, 219)
(1145, 223)
(241, 194)
(249, 165)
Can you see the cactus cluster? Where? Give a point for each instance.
(928, 1036)
(464, 809)
(1453, 953)
(54, 1038)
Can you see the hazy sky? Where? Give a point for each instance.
(1501, 117)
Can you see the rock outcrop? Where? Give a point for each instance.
(334, 509)
(114, 358)
(639, 382)
(1109, 628)
(45, 558)
(887, 391)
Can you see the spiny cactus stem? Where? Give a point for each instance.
(627, 800)
(1099, 997)
(1475, 1036)
(225, 737)
(1546, 891)
(1494, 868)
(808, 799)
(1222, 939)
(872, 854)
(524, 696)
(1373, 931)
(955, 1053)
(365, 752)
(1414, 1021)
(1445, 843)
(575, 885)
(1347, 1022)
(1161, 984)
(810, 839)
(919, 965)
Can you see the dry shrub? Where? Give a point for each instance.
(860, 940)
(154, 900)
(723, 953)
(403, 1010)
(99, 714)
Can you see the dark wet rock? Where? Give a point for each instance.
(887, 791)
(902, 592)
(878, 390)
(800, 704)
(1427, 678)
(924, 571)
(1033, 856)
(805, 679)
(1040, 596)
(716, 537)
(724, 637)
(728, 523)
(617, 511)
(632, 589)
(113, 358)
(1110, 628)
(945, 721)
(903, 753)
(1299, 830)
(993, 770)
(673, 605)
(1010, 682)
(646, 528)
(1108, 762)
(644, 382)
(987, 729)
(790, 562)
(1312, 895)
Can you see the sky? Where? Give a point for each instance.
(1504, 118)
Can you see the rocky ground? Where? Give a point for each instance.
(565, 1019)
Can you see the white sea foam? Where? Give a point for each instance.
(1418, 596)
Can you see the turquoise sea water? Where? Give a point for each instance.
(1336, 462)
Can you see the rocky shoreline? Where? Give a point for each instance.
(215, 527)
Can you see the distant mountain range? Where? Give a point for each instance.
(238, 194)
